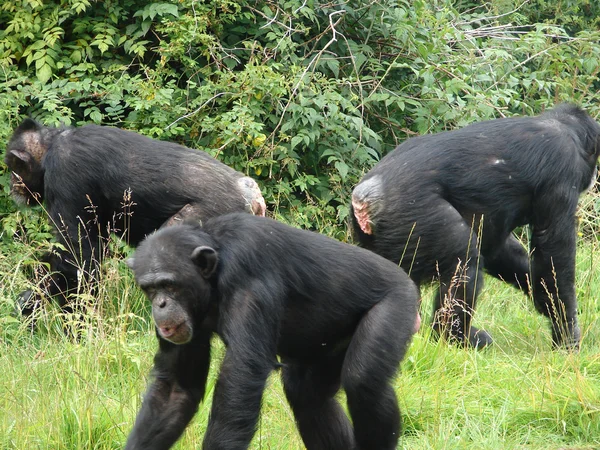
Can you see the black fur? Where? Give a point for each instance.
(83, 176)
(456, 196)
(337, 316)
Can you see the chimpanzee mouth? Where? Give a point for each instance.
(177, 334)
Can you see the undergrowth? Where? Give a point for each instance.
(78, 382)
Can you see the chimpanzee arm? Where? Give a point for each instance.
(77, 252)
(250, 333)
(180, 373)
(553, 245)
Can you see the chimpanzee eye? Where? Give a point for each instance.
(169, 286)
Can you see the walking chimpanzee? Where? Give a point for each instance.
(335, 314)
(445, 205)
(95, 180)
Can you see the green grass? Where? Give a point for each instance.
(58, 393)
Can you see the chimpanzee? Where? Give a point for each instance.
(95, 179)
(335, 314)
(445, 205)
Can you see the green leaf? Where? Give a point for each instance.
(44, 73)
(334, 66)
(76, 56)
(169, 8)
(342, 168)
(96, 116)
(37, 45)
(295, 141)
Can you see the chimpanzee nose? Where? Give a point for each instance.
(161, 303)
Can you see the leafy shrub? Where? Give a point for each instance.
(303, 95)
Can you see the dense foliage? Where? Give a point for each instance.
(304, 95)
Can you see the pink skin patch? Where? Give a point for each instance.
(259, 207)
(252, 195)
(361, 212)
(417, 323)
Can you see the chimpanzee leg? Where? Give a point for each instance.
(49, 281)
(255, 204)
(251, 336)
(553, 244)
(371, 361)
(236, 401)
(455, 305)
(172, 399)
(310, 390)
(461, 278)
(509, 263)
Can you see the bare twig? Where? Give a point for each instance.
(185, 116)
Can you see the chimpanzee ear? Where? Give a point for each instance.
(130, 262)
(22, 155)
(206, 259)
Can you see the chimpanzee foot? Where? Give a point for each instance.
(27, 303)
(567, 339)
(479, 339)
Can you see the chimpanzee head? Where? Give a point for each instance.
(175, 267)
(24, 154)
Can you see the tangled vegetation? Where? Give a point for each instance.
(304, 96)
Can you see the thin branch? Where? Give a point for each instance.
(309, 65)
(480, 19)
(197, 109)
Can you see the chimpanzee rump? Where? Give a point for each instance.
(337, 315)
(445, 205)
(94, 179)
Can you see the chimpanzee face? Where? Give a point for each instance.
(172, 319)
(24, 154)
(175, 283)
(26, 181)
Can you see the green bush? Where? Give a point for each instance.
(305, 96)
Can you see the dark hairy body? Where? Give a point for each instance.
(444, 207)
(94, 180)
(329, 314)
